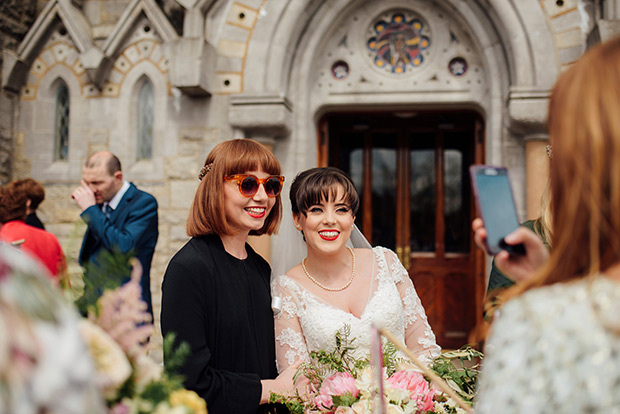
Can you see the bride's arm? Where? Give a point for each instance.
(290, 342)
(419, 336)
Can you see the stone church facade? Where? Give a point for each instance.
(160, 82)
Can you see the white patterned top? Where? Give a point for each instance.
(555, 349)
(309, 323)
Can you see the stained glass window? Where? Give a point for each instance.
(145, 115)
(61, 124)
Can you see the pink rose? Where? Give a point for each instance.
(323, 402)
(418, 388)
(120, 408)
(336, 385)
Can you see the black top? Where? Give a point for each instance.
(33, 220)
(221, 306)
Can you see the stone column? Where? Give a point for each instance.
(536, 172)
(264, 118)
(262, 244)
(527, 109)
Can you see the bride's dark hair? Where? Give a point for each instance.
(312, 186)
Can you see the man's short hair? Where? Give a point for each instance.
(112, 163)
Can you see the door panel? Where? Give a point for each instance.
(422, 192)
(412, 176)
(384, 189)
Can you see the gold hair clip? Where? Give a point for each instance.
(204, 170)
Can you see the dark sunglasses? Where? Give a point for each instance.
(248, 184)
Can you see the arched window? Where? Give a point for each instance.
(145, 115)
(61, 123)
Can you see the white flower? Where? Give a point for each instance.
(165, 408)
(366, 380)
(111, 364)
(364, 406)
(394, 409)
(147, 370)
(397, 395)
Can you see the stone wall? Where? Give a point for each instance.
(16, 16)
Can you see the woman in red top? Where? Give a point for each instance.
(39, 243)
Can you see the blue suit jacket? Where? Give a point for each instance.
(132, 225)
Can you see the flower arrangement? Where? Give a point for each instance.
(341, 384)
(118, 329)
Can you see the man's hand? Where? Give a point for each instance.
(83, 196)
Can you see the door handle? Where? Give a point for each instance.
(407, 257)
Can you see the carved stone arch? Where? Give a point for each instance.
(126, 24)
(516, 49)
(517, 32)
(123, 136)
(57, 13)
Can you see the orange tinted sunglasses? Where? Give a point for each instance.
(248, 184)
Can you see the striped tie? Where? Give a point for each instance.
(106, 209)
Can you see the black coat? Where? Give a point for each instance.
(221, 306)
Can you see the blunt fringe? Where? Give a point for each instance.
(312, 186)
(207, 214)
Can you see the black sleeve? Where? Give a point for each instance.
(184, 311)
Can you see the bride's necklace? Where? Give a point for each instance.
(322, 286)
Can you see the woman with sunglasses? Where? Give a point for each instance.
(215, 292)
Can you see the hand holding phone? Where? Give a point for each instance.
(496, 205)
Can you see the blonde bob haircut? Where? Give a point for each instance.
(237, 156)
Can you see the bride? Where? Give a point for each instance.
(336, 285)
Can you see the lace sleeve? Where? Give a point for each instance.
(419, 336)
(290, 342)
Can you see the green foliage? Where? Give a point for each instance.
(346, 400)
(461, 376)
(106, 272)
(174, 357)
(390, 357)
(127, 390)
(323, 363)
(294, 404)
(458, 368)
(159, 390)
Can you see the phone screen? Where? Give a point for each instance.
(496, 204)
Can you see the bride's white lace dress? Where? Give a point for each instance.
(308, 323)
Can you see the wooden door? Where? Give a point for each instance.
(411, 171)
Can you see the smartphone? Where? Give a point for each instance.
(496, 205)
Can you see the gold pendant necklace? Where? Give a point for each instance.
(319, 284)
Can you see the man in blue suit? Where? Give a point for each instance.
(117, 214)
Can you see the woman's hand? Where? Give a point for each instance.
(284, 384)
(517, 267)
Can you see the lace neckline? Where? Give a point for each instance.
(378, 270)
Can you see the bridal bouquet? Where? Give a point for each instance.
(117, 331)
(342, 384)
